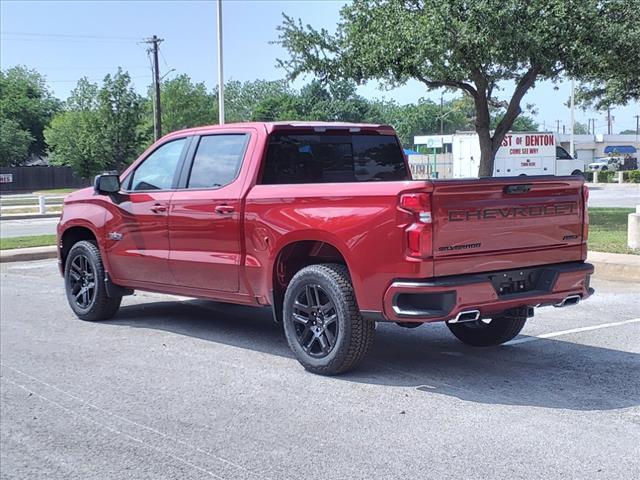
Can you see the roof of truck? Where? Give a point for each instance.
(292, 125)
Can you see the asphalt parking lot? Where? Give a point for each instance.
(192, 389)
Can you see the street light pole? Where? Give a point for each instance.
(573, 94)
(220, 73)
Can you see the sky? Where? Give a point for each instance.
(66, 40)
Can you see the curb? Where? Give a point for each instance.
(27, 216)
(615, 266)
(28, 254)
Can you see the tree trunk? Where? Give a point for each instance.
(486, 154)
(483, 129)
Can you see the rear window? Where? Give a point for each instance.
(333, 159)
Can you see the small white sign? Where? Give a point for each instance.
(431, 141)
(6, 177)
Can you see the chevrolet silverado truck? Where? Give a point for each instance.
(323, 223)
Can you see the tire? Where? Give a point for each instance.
(320, 308)
(577, 172)
(480, 334)
(604, 169)
(83, 269)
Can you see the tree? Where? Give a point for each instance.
(580, 128)
(186, 105)
(76, 140)
(120, 115)
(476, 46)
(242, 99)
(27, 106)
(76, 136)
(628, 132)
(100, 127)
(14, 143)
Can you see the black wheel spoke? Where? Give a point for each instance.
(331, 339)
(324, 344)
(300, 319)
(330, 320)
(316, 296)
(315, 320)
(307, 346)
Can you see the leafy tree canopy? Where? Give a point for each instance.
(100, 127)
(474, 46)
(14, 143)
(26, 106)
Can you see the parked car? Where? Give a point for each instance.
(605, 163)
(322, 223)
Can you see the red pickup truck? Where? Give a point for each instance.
(323, 223)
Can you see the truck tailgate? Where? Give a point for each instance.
(502, 223)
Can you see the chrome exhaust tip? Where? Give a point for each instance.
(569, 301)
(466, 316)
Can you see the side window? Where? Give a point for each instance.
(157, 171)
(217, 160)
(562, 154)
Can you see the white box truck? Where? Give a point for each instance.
(533, 153)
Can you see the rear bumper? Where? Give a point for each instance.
(489, 293)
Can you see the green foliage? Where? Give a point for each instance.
(580, 128)
(244, 100)
(26, 107)
(76, 140)
(474, 46)
(14, 143)
(607, 176)
(632, 176)
(120, 113)
(183, 105)
(100, 127)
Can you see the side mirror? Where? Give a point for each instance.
(106, 184)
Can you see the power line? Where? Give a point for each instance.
(68, 35)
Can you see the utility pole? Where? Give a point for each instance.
(441, 115)
(557, 126)
(609, 120)
(637, 127)
(157, 124)
(220, 74)
(573, 118)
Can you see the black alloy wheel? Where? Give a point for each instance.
(82, 281)
(315, 320)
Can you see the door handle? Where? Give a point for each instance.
(158, 208)
(224, 209)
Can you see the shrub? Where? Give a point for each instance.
(588, 176)
(632, 176)
(607, 176)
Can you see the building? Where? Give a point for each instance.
(589, 147)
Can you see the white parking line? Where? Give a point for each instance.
(573, 330)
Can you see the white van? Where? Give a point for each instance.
(533, 153)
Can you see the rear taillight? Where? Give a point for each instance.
(585, 217)
(420, 232)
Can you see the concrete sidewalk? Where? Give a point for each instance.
(608, 266)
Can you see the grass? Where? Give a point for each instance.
(55, 191)
(19, 211)
(28, 241)
(608, 230)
